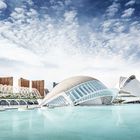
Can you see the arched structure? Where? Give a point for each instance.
(79, 90)
(10, 95)
(21, 92)
(129, 90)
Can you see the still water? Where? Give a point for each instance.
(72, 123)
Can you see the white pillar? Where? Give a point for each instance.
(67, 98)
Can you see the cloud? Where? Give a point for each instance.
(13, 52)
(70, 16)
(130, 3)
(2, 5)
(68, 2)
(128, 13)
(55, 49)
(113, 9)
(9, 62)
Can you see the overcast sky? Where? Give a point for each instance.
(57, 39)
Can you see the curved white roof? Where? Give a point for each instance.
(68, 84)
(124, 81)
(130, 85)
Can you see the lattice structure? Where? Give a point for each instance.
(18, 92)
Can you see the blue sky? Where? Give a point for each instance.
(56, 39)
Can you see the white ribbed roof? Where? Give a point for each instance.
(68, 84)
(124, 80)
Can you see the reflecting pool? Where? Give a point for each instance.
(72, 123)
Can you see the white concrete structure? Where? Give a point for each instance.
(129, 90)
(10, 95)
(79, 90)
(18, 91)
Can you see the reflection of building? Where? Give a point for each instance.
(80, 90)
(23, 82)
(129, 90)
(39, 85)
(6, 81)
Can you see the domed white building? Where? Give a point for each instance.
(79, 90)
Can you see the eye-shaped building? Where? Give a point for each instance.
(79, 90)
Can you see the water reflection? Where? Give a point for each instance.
(98, 122)
(118, 115)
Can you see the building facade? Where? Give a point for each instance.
(79, 90)
(6, 81)
(23, 82)
(129, 90)
(39, 85)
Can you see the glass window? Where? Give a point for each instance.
(85, 88)
(83, 91)
(102, 85)
(98, 87)
(79, 93)
(74, 94)
(59, 100)
(90, 87)
(72, 97)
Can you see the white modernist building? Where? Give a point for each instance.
(129, 90)
(10, 95)
(79, 90)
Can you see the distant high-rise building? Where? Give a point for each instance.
(23, 82)
(6, 81)
(39, 85)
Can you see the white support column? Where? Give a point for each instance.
(72, 95)
(8, 101)
(67, 98)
